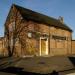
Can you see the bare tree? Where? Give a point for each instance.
(17, 27)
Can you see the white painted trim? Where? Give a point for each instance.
(46, 45)
(40, 46)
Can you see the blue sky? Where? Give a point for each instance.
(53, 8)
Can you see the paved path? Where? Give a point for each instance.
(39, 65)
(44, 65)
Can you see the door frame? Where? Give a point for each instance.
(46, 45)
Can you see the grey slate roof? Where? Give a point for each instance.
(32, 15)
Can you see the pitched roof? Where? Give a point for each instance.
(32, 15)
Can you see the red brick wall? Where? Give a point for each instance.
(31, 46)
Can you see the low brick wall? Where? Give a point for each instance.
(73, 46)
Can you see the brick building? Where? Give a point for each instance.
(31, 33)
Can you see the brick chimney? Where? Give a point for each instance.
(61, 19)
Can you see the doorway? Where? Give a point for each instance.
(43, 46)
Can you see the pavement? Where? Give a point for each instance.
(45, 65)
(36, 65)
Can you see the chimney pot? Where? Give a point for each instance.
(61, 19)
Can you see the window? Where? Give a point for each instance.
(58, 37)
